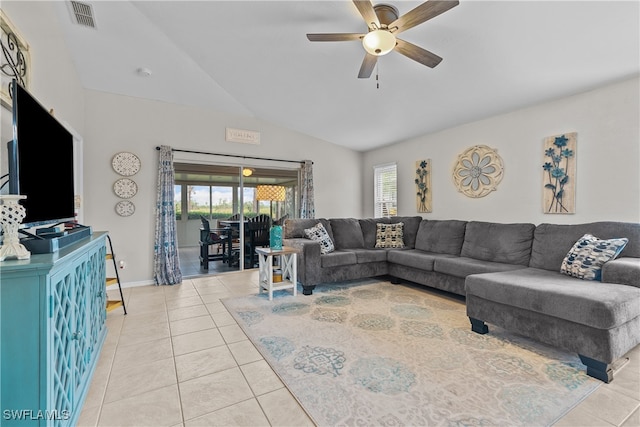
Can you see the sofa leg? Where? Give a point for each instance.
(478, 326)
(597, 369)
(308, 290)
(394, 280)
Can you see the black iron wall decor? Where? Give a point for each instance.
(14, 62)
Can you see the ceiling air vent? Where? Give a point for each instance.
(83, 14)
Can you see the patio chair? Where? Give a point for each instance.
(221, 237)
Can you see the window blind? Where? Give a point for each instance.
(386, 190)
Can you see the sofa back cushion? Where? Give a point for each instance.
(347, 233)
(552, 242)
(294, 227)
(507, 243)
(441, 236)
(410, 231)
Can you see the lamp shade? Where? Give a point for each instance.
(379, 42)
(274, 193)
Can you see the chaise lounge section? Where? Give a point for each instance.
(600, 320)
(509, 274)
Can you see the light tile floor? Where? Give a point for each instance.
(180, 359)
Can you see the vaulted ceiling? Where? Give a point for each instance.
(253, 58)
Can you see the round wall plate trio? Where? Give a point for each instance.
(125, 164)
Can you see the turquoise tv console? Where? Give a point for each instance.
(52, 327)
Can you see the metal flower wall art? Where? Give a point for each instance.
(423, 185)
(559, 171)
(478, 171)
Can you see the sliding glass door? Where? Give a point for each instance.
(220, 194)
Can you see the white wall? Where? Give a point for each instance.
(117, 123)
(608, 161)
(54, 81)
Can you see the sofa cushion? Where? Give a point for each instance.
(595, 304)
(441, 236)
(390, 235)
(625, 271)
(338, 258)
(410, 227)
(364, 256)
(588, 255)
(347, 233)
(463, 266)
(415, 258)
(551, 242)
(320, 235)
(506, 243)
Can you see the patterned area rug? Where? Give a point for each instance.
(371, 353)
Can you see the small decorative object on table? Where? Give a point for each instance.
(275, 237)
(11, 215)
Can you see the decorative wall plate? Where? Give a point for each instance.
(125, 208)
(478, 171)
(125, 188)
(126, 164)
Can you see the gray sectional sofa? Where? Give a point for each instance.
(509, 274)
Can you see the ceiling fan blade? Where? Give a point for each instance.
(417, 53)
(334, 37)
(367, 66)
(424, 12)
(366, 10)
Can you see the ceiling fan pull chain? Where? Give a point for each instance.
(377, 79)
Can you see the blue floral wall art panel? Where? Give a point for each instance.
(559, 174)
(478, 171)
(423, 186)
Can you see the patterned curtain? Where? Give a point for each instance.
(307, 207)
(166, 264)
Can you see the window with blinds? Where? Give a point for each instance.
(386, 190)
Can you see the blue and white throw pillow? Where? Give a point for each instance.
(389, 235)
(588, 255)
(319, 234)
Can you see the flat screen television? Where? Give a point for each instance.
(40, 162)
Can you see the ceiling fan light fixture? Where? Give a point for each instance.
(379, 42)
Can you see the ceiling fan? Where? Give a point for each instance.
(383, 25)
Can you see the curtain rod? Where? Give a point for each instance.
(233, 155)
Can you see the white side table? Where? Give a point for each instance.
(288, 265)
